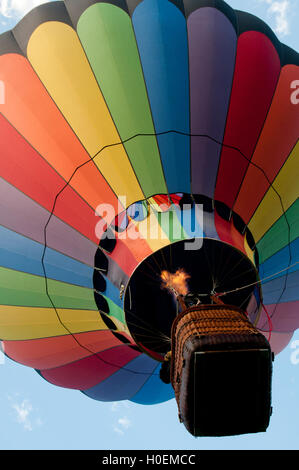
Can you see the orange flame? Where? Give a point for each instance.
(176, 283)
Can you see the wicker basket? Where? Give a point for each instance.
(219, 356)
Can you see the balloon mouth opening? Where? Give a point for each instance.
(151, 302)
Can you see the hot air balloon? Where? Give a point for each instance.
(140, 140)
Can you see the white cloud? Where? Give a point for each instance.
(122, 425)
(23, 414)
(116, 405)
(19, 8)
(23, 411)
(124, 422)
(280, 10)
(118, 431)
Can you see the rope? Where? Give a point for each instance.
(269, 321)
(257, 282)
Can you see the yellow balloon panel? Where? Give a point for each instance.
(58, 58)
(24, 323)
(271, 208)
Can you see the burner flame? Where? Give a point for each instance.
(176, 283)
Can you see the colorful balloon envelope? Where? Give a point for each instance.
(141, 136)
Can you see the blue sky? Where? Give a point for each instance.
(37, 415)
